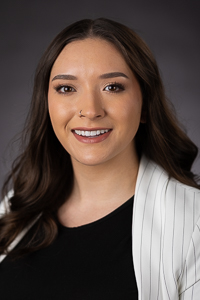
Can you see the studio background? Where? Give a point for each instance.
(170, 28)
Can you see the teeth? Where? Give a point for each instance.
(87, 133)
(91, 133)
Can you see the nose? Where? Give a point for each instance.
(91, 107)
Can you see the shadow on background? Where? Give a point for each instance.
(171, 29)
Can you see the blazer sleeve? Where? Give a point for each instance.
(190, 279)
(4, 204)
(4, 208)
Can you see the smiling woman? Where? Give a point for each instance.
(107, 106)
(103, 202)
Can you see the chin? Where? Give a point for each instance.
(90, 161)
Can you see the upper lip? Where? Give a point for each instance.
(91, 129)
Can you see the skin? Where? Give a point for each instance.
(105, 168)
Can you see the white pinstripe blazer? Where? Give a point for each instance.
(165, 236)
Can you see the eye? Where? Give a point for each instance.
(114, 87)
(65, 89)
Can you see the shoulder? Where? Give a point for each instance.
(167, 216)
(153, 176)
(174, 201)
(187, 195)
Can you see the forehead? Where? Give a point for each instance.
(91, 54)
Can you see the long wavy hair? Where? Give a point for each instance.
(37, 174)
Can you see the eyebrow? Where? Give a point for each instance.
(103, 76)
(65, 76)
(113, 75)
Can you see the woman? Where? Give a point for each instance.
(100, 136)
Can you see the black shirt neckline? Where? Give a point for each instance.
(94, 223)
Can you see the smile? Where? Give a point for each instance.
(91, 136)
(91, 133)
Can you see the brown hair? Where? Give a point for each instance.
(37, 174)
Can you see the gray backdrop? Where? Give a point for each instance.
(170, 28)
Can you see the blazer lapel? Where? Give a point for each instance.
(147, 228)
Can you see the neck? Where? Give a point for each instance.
(111, 181)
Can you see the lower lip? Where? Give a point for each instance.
(92, 140)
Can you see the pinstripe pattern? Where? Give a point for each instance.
(166, 236)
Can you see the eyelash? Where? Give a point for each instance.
(60, 86)
(118, 86)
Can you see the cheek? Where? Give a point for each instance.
(59, 113)
(131, 111)
(133, 118)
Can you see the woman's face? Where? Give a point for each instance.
(95, 102)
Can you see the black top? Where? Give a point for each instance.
(90, 262)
